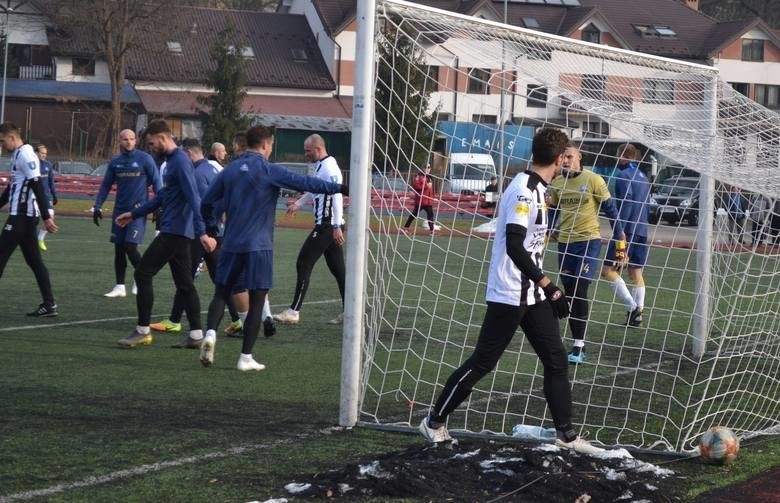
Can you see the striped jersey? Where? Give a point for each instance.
(328, 208)
(26, 167)
(522, 204)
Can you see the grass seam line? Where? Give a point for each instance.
(156, 467)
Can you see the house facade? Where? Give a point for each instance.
(746, 52)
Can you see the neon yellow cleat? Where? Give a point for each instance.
(42, 245)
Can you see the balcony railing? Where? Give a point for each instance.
(36, 72)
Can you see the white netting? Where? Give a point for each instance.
(437, 74)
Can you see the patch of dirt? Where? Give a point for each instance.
(484, 471)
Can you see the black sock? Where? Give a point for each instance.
(566, 433)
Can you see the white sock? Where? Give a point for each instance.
(246, 358)
(242, 316)
(211, 333)
(638, 293)
(621, 290)
(266, 308)
(42, 234)
(142, 330)
(196, 335)
(579, 343)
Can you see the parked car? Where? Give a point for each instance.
(73, 168)
(301, 168)
(675, 199)
(5, 170)
(100, 171)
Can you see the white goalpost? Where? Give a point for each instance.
(460, 98)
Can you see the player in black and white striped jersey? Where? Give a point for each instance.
(27, 201)
(326, 238)
(519, 294)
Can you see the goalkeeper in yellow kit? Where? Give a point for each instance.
(575, 200)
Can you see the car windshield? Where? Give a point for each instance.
(5, 165)
(471, 171)
(678, 187)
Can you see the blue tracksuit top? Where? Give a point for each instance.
(47, 172)
(178, 198)
(249, 187)
(133, 172)
(632, 196)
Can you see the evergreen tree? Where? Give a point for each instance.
(223, 118)
(403, 136)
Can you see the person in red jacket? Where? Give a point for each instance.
(424, 197)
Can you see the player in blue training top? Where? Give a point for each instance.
(632, 197)
(47, 177)
(26, 201)
(205, 173)
(133, 171)
(248, 189)
(179, 223)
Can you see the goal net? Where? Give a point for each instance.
(461, 98)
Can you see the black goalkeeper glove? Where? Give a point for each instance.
(557, 298)
(54, 201)
(344, 189)
(97, 216)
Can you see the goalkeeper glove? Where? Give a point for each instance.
(97, 216)
(557, 298)
(621, 253)
(54, 201)
(344, 189)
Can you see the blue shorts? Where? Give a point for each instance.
(637, 252)
(133, 233)
(579, 259)
(256, 267)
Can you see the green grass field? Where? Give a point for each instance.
(82, 420)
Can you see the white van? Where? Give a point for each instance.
(468, 172)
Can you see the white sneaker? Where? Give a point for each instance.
(288, 317)
(249, 365)
(580, 445)
(207, 350)
(338, 320)
(117, 291)
(432, 435)
(135, 289)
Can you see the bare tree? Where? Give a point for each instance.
(109, 29)
(728, 10)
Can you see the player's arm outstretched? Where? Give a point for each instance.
(283, 178)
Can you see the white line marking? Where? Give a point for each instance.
(121, 318)
(156, 467)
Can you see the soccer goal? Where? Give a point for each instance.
(458, 99)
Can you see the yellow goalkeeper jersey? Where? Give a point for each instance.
(578, 200)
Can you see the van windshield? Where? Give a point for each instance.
(471, 171)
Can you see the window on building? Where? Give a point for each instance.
(83, 66)
(445, 117)
(741, 87)
(478, 81)
(591, 34)
(595, 129)
(766, 95)
(593, 86)
(299, 55)
(433, 77)
(484, 119)
(530, 22)
(655, 31)
(752, 49)
(659, 91)
(537, 96)
(174, 47)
